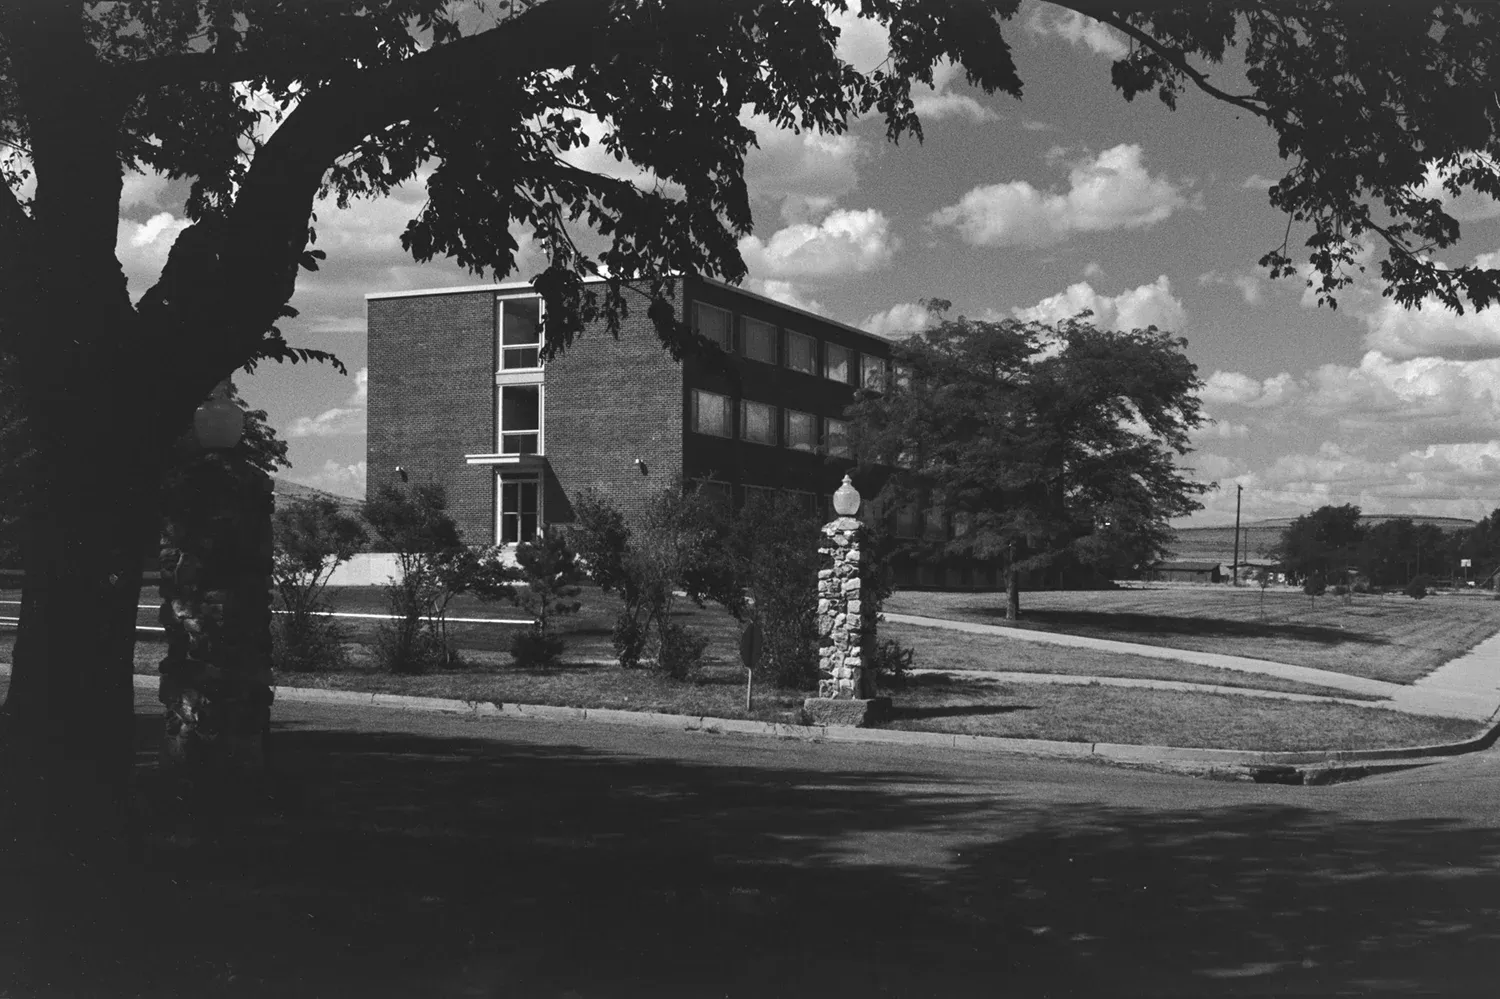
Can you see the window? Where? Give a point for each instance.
(908, 522)
(801, 353)
(836, 438)
(520, 510)
(714, 324)
(934, 525)
(520, 332)
(836, 362)
(711, 413)
(807, 503)
(872, 372)
(759, 496)
(757, 422)
(759, 341)
(520, 419)
(801, 430)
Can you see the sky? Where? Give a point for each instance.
(1067, 199)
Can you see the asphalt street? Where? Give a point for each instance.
(423, 854)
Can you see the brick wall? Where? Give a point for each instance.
(432, 398)
(609, 402)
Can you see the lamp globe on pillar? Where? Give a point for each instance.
(846, 499)
(218, 423)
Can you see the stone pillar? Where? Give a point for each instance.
(846, 629)
(216, 609)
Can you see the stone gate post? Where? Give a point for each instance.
(846, 622)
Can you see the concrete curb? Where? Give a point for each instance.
(1315, 767)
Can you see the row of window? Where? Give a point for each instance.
(713, 415)
(759, 341)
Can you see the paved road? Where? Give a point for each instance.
(433, 855)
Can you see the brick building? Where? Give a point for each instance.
(457, 394)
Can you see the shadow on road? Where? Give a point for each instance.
(406, 864)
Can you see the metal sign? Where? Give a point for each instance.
(1464, 563)
(751, 642)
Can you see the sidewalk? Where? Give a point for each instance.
(1466, 687)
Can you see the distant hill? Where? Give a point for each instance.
(1257, 539)
(287, 490)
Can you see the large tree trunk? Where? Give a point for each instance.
(66, 728)
(1012, 594)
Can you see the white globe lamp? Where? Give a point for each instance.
(846, 499)
(218, 423)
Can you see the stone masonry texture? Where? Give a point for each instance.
(846, 621)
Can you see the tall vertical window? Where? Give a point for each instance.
(711, 413)
(757, 422)
(801, 430)
(715, 324)
(758, 341)
(836, 438)
(520, 419)
(520, 332)
(520, 510)
(801, 353)
(908, 522)
(836, 362)
(872, 372)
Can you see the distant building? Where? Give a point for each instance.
(1185, 572)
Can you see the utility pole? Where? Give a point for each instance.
(1235, 568)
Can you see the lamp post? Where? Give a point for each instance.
(216, 611)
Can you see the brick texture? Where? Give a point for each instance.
(609, 402)
(432, 399)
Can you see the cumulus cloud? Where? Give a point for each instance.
(1432, 329)
(142, 248)
(1248, 284)
(1147, 305)
(339, 421)
(899, 320)
(1220, 430)
(865, 44)
(336, 477)
(844, 243)
(785, 292)
(1255, 182)
(803, 174)
(1467, 206)
(1231, 388)
(1047, 20)
(1111, 191)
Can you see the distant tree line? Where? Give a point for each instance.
(1331, 545)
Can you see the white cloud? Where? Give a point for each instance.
(336, 477)
(865, 44)
(142, 248)
(339, 421)
(844, 243)
(1256, 182)
(1432, 329)
(1220, 430)
(1076, 29)
(1248, 284)
(899, 320)
(785, 292)
(1148, 305)
(1468, 206)
(1111, 191)
(939, 101)
(1231, 388)
(803, 174)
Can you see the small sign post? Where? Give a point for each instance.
(751, 642)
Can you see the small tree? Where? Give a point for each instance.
(671, 545)
(1417, 588)
(1315, 586)
(435, 566)
(313, 538)
(549, 568)
(1262, 579)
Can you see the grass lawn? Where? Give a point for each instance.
(939, 703)
(1391, 637)
(949, 703)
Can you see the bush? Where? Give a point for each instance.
(679, 650)
(534, 647)
(1340, 590)
(892, 664)
(1417, 588)
(308, 644)
(411, 647)
(629, 640)
(1315, 586)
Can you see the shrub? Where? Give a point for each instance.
(892, 663)
(1340, 590)
(679, 650)
(535, 647)
(1417, 588)
(312, 538)
(629, 640)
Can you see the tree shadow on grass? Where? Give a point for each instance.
(900, 712)
(1113, 624)
(409, 863)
